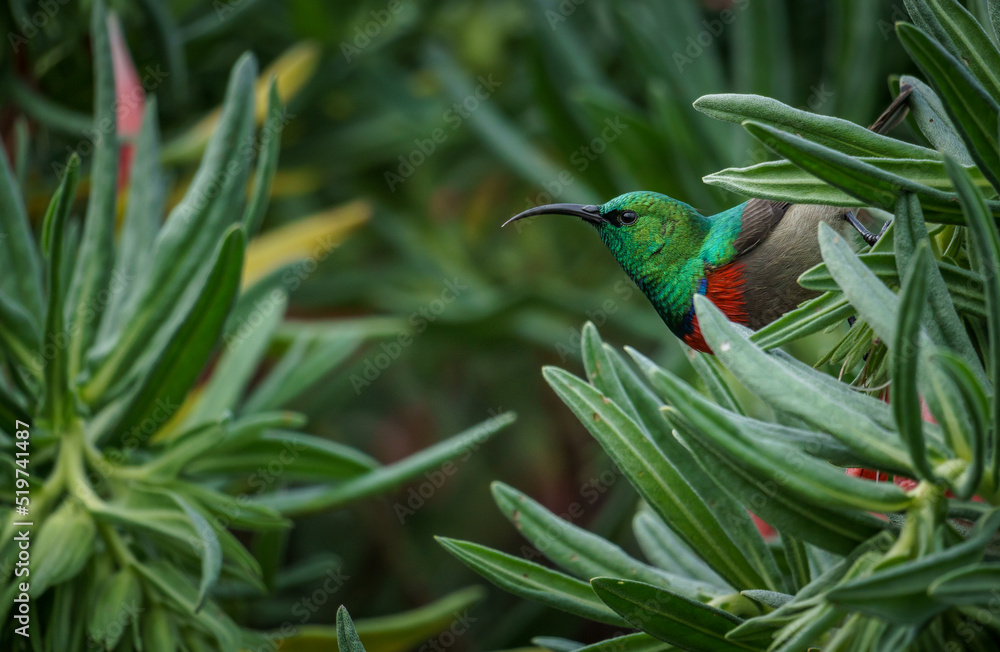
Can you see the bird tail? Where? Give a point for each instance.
(894, 113)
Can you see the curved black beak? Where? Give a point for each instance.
(588, 213)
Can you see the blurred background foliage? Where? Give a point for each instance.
(578, 100)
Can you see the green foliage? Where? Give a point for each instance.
(857, 564)
(128, 404)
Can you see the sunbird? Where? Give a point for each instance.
(746, 260)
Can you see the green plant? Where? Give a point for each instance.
(134, 435)
(858, 565)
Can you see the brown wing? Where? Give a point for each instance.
(759, 217)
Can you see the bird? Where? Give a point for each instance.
(746, 260)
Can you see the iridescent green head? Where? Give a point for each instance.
(636, 223)
(657, 240)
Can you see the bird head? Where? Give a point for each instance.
(629, 223)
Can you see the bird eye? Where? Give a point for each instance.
(628, 217)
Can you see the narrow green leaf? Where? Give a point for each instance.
(244, 348)
(232, 510)
(865, 181)
(923, 17)
(670, 617)
(219, 438)
(184, 246)
(978, 406)
(347, 636)
(987, 244)
(601, 372)
(95, 259)
(637, 642)
(556, 644)
(785, 181)
(946, 327)
(960, 285)
(797, 559)
(207, 547)
(267, 164)
(298, 501)
(710, 372)
(646, 403)
(303, 457)
(655, 478)
(117, 604)
(584, 554)
(813, 316)
(766, 461)
(808, 628)
(401, 632)
(20, 342)
(773, 380)
(55, 404)
(933, 120)
(994, 7)
(975, 584)
(836, 530)
(904, 356)
(968, 40)
(143, 214)
(665, 549)
(854, 562)
(307, 361)
(531, 581)
(169, 583)
(178, 365)
(22, 284)
(769, 598)
(55, 561)
(841, 135)
(969, 106)
(899, 593)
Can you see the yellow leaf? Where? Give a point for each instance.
(310, 238)
(291, 71)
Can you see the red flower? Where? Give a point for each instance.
(130, 99)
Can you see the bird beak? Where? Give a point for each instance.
(588, 213)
